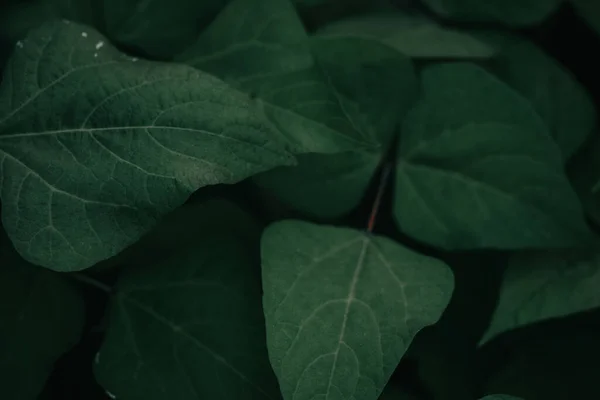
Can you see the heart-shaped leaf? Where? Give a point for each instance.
(96, 146)
(478, 169)
(191, 326)
(342, 307)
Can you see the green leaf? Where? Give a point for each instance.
(478, 169)
(342, 307)
(376, 86)
(269, 56)
(42, 316)
(584, 172)
(542, 285)
(510, 12)
(555, 93)
(160, 28)
(500, 397)
(191, 326)
(17, 20)
(589, 10)
(418, 36)
(328, 95)
(96, 146)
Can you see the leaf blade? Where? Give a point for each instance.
(341, 362)
(99, 145)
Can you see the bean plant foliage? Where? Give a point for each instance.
(297, 200)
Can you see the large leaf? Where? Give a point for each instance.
(41, 317)
(510, 12)
(341, 95)
(95, 146)
(342, 307)
(478, 169)
(539, 286)
(160, 28)
(418, 36)
(555, 93)
(589, 10)
(584, 172)
(191, 326)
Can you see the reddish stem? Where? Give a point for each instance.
(385, 173)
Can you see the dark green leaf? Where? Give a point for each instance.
(376, 87)
(191, 326)
(584, 172)
(342, 307)
(41, 317)
(328, 95)
(478, 169)
(510, 12)
(589, 10)
(269, 57)
(541, 285)
(160, 28)
(418, 36)
(554, 92)
(96, 146)
(500, 397)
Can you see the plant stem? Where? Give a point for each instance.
(92, 282)
(385, 173)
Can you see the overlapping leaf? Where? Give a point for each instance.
(95, 146)
(341, 96)
(510, 12)
(540, 286)
(41, 318)
(418, 36)
(478, 169)
(342, 307)
(191, 326)
(554, 92)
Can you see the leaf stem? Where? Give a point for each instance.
(92, 282)
(385, 173)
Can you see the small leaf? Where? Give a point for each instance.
(160, 28)
(584, 172)
(478, 169)
(539, 286)
(41, 318)
(554, 92)
(342, 307)
(589, 10)
(191, 327)
(96, 146)
(510, 12)
(418, 36)
(340, 96)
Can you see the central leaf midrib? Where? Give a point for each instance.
(349, 299)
